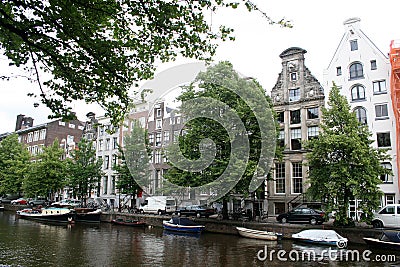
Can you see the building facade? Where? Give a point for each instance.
(362, 73)
(297, 99)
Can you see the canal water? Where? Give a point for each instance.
(28, 243)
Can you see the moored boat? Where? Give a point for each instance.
(182, 225)
(127, 222)
(60, 215)
(387, 240)
(257, 234)
(87, 215)
(321, 237)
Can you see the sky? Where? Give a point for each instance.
(317, 28)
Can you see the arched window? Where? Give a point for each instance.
(356, 71)
(361, 114)
(357, 92)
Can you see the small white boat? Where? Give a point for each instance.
(321, 237)
(257, 234)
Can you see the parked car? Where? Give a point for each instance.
(195, 210)
(7, 199)
(388, 216)
(38, 201)
(159, 205)
(19, 201)
(303, 215)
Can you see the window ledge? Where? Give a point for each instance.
(356, 78)
(358, 100)
(382, 118)
(380, 93)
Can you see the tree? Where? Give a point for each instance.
(97, 50)
(84, 170)
(133, 168)
(342, 164)
(235, 113)
(48, 173)
(14, 165)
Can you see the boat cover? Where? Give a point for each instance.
(182, 221)
(318, 234)
(392, 236)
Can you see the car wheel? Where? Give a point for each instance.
(313, 221)
(198, 215)
(284, 220)
(179, 214)
(377, 224)
(159, 212)
(141, 211)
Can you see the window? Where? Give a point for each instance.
(157, 157)
(379, 87)
(178, 120)
(42, 134)
(105, 185)
(72, 126)
(389, 199)
(176, 135)
(386, 178)
(115, 142)
(100, 145)
(373, 64)
(108, 144)
(158, 139)
(297, 176)
(30, 137)
(312, 113)
(158, 112)
(381, 111)
(294, 94)
(295, 116)
(280, 178)
(36, 136)
(293, 76)
(166, 137)
(106, 162)
(101, 131)
(361, 114)
(158, 124)
(295, 135)
(151, 139)
(357, 92)
(353, 45)
(280, 117)
(312, 132)
(281, 140)
(338, 71)
(383, 139)
(388, 210)
(356, 71)
(112, 185)
(114, 160)
(61, 123)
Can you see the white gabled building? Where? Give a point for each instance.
(362, 73)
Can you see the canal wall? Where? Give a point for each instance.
(353, 234)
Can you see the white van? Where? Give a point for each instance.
(388, 216)
(159, 205)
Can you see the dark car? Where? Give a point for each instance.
(195, 210)
(302, 215)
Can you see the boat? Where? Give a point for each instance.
(127, 222)
(257, 234)
(182, 225)
(321, 237)
(387, 240)
(1, 208)
(59, 215)
(87, 215)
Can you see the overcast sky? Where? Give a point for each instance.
(318, 28)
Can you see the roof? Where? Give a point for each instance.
(292, 51)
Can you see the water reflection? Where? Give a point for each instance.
(28, 243)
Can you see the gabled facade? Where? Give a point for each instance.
(297, 98)
(362, 73)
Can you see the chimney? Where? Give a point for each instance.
(18, 124)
